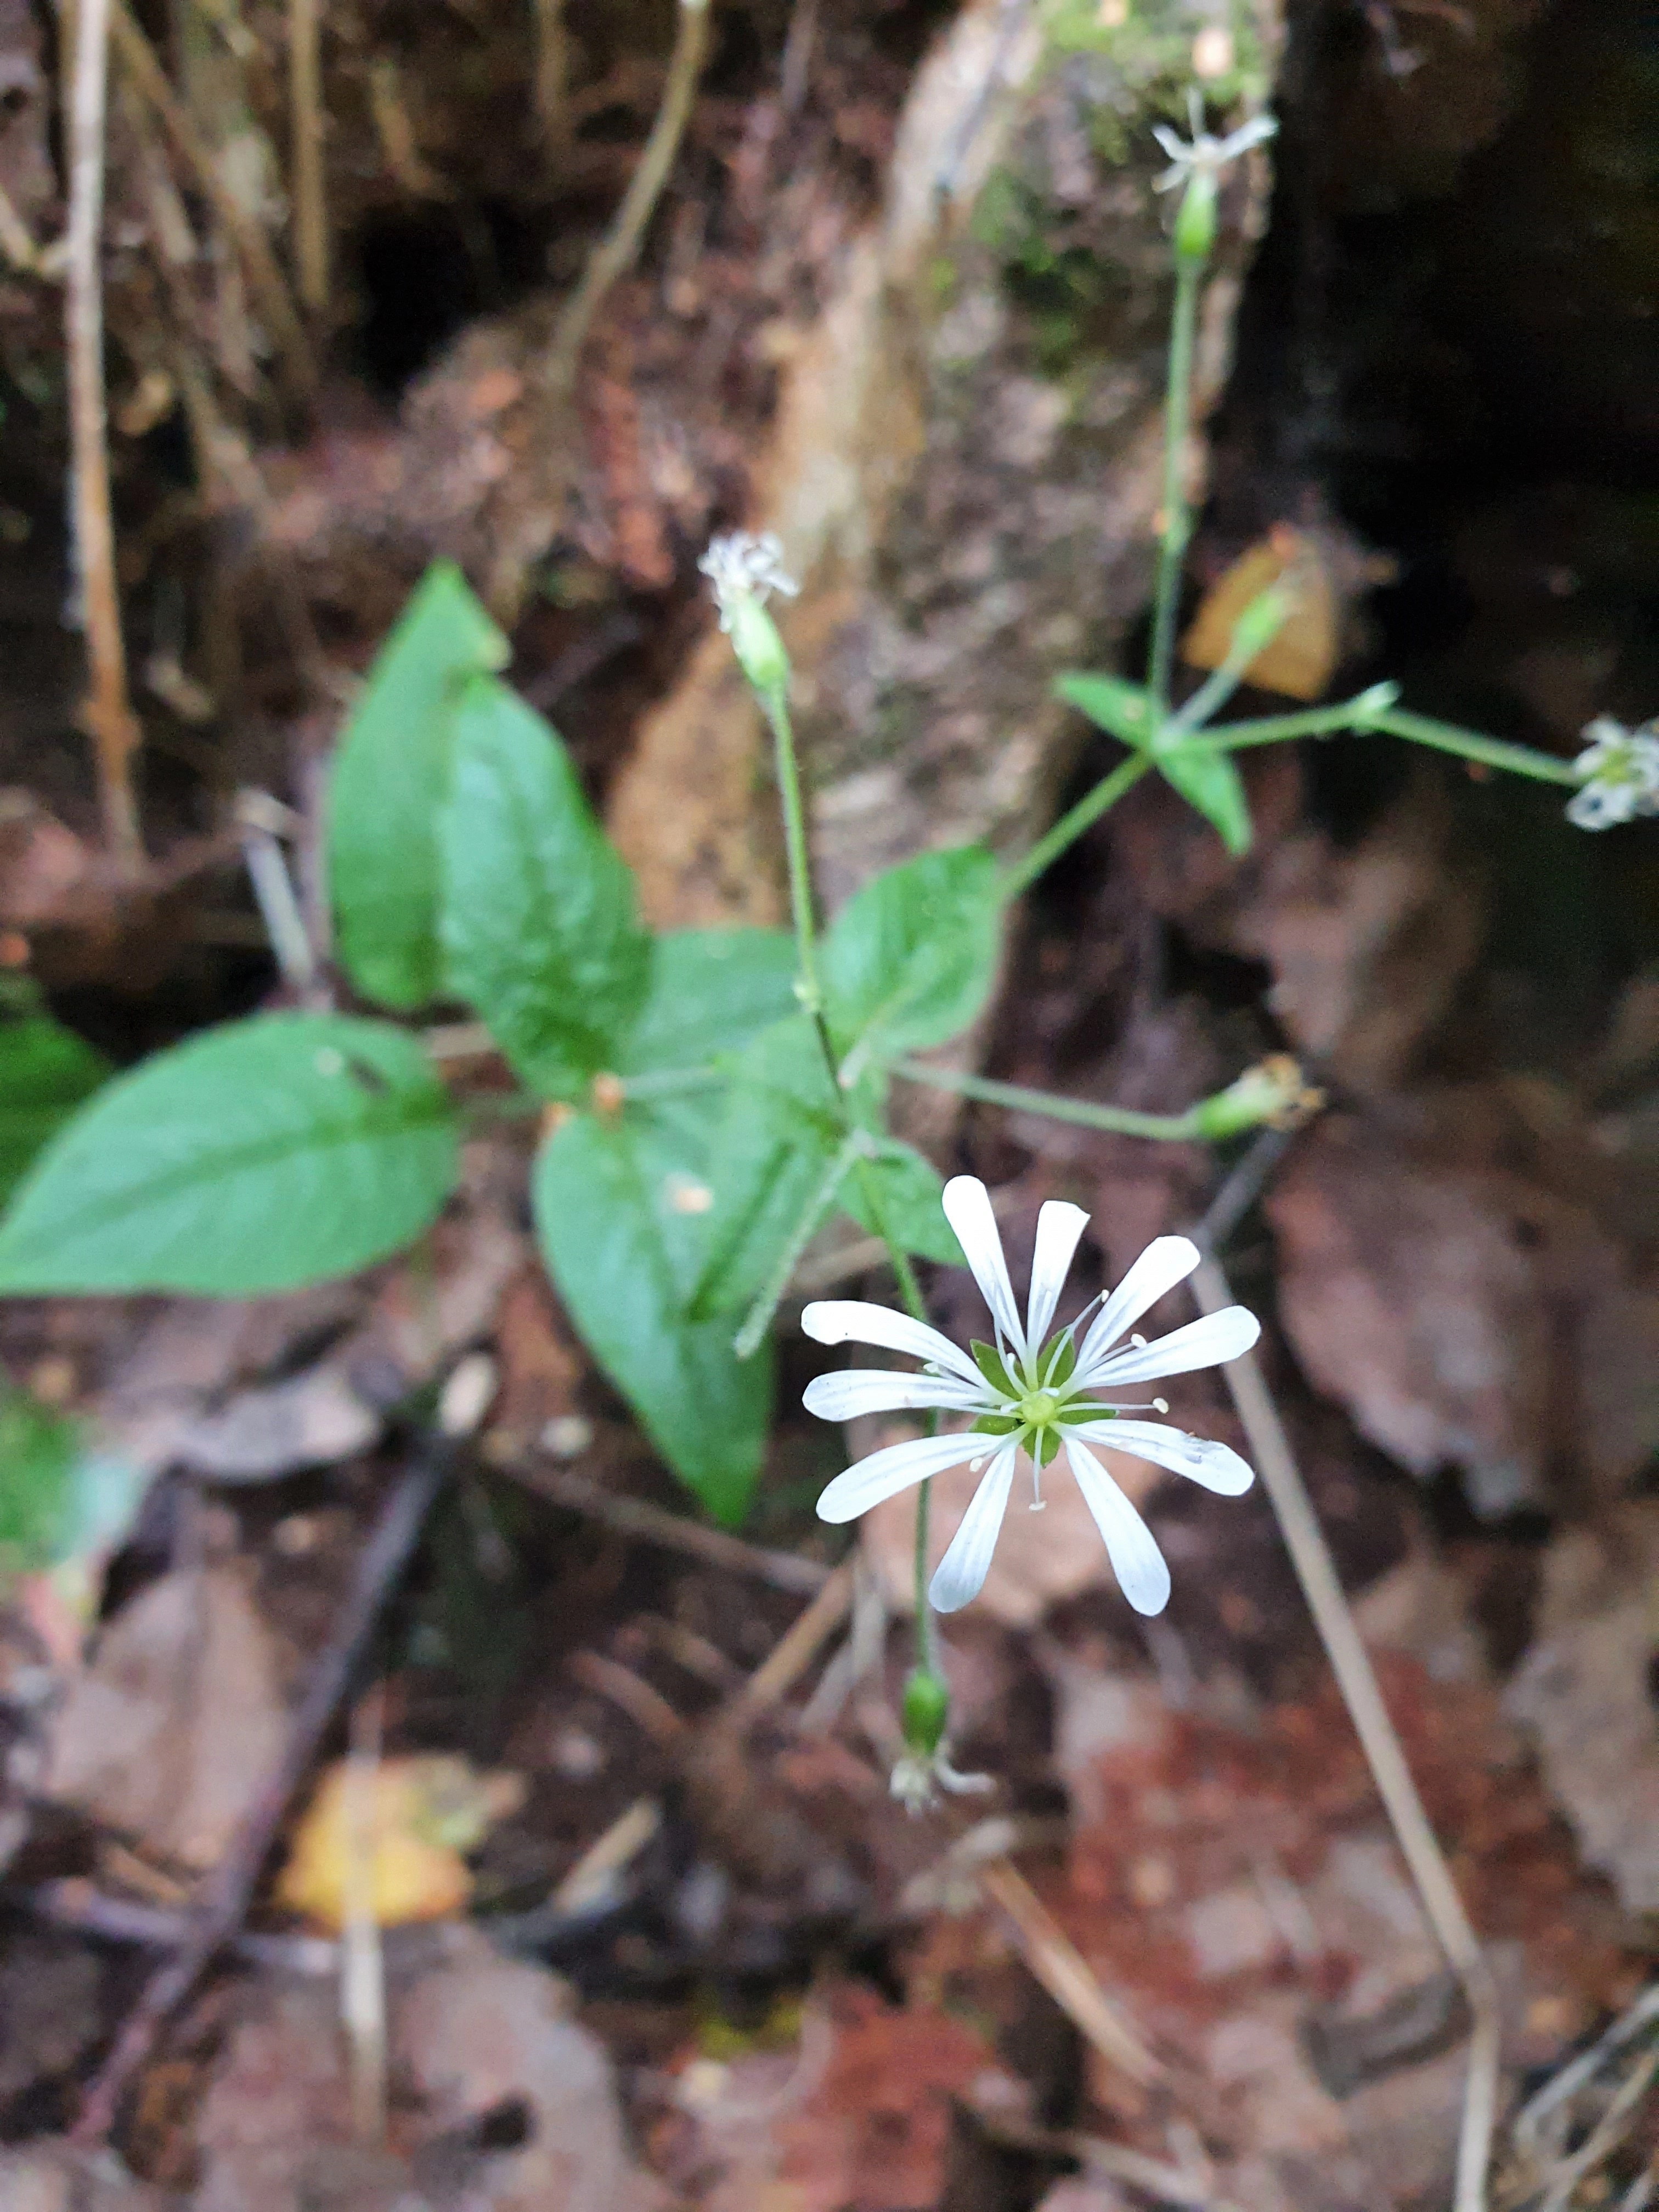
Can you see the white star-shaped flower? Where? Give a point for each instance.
(1619, 772)
(744, 567)
(1205, 155)
(1032, 1393)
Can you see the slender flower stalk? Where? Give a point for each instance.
(744, 571)
(1030, 1394)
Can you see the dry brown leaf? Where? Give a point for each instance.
(1414, 1305)
(172, 1728)
(480, 2032)
(1585, 1693)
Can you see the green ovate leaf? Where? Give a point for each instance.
(621, 1215)
(45, 1072)
(709, 992)
(387, 783)
(911, 958)
(59, 1501)
(1207, 780)
(909, 1200)
(258, 1156)
(780, 1128)
(1111, 704)
(540, 931)
(1210, 785)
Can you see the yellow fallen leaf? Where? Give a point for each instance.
(411, 1823)
(1299, 661)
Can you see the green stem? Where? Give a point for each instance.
(1494, 752)
(854, 1146)
(1120, 1120)
(776, 709)
(1394, 721)
(1275, 729)
(800, 874)
(1072, 824)
(1172, 552)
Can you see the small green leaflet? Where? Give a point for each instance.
(59, 1501)
(539, 932)
(388, 781)
(258, 1157)
(908, 1197)
(1206, 779)
(710, 991)
(910, 959)
(619, 1215)
(779, 1132)
(45, 1072)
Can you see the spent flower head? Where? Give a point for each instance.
(1205, 156)
(746, 565)
(1032, 1393)
(1618, 772)
(745, 569)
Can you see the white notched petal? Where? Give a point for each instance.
(848, 1321)
(960, 1575)
(870, 1481)
(1210, 1342)
(1166, 1261)
(968, 1210)
(1217, 1466)
(1136, 1560)
(855, 1390)
(1059, 1226)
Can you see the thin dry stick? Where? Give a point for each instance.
(228, 1890)
(634, 1516)
(1056, 1961)
(270, 286)
(1311, 1556)
(792, 1654)
(108, 710)
(363, 1959)
(305, 91)
(552, 73)
(615, 252)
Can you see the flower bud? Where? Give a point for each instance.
(760, 650)
(1195, 224)
(927, 1710)
(1273, 1092)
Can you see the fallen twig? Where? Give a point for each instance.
(794, 1651)
(552, 74)
(305, 90)
(1055, 1960)
(229, 1889)
(264, 273)
(1311, 1556)
(615, 252)
(107, 712)
(633, 1516)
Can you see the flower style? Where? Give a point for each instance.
(745, 570)
(1205, 156)
(1029, 1391)
(1618, 769)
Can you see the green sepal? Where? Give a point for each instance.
(1045, 1446)
(927, 1710)
(992, 1365)
(1062, 1362)
(997, 1424)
